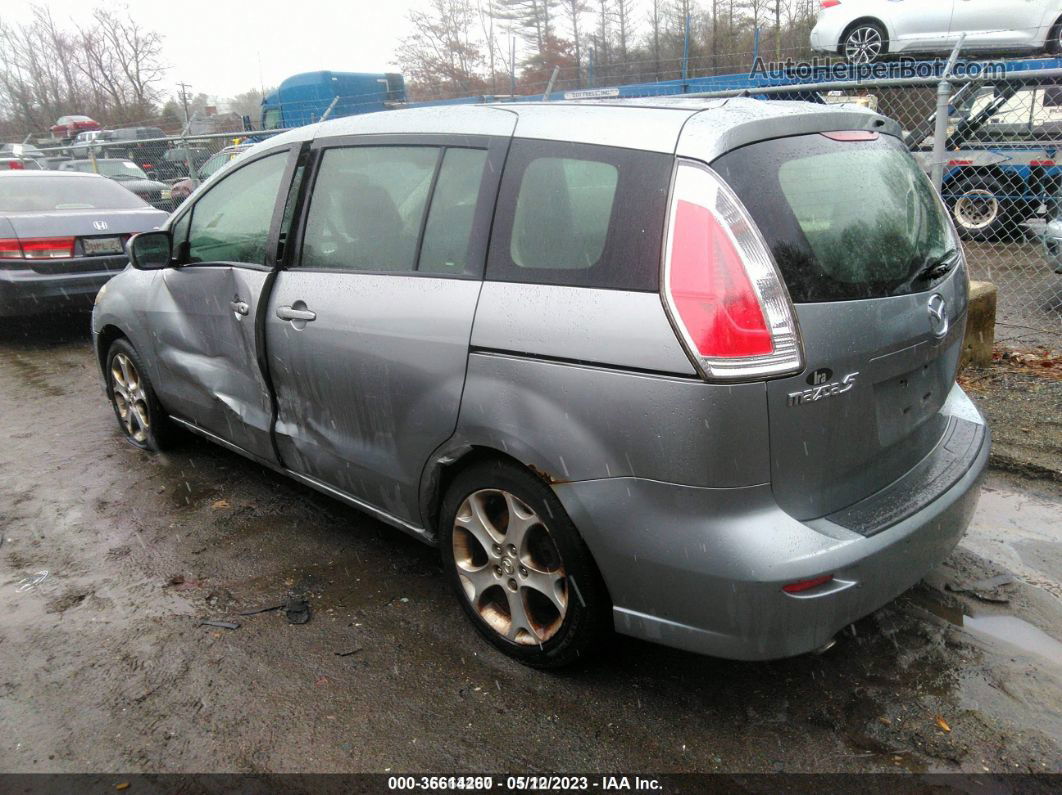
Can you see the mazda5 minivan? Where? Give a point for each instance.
(683, 369)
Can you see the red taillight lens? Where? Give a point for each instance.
(15, 165)
(830, 3)
(711, 290)
(807, 585)
(47, 247)
(721, 288)
(10, 249)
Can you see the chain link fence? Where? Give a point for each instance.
(999, 170)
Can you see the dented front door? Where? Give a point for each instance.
(205, 310)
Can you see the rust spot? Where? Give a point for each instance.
(546, 476)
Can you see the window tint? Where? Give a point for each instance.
(230, 223)
(844, 219)
(580, 215)
(453, 208)
(367, 207)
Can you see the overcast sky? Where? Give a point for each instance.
(216, 46)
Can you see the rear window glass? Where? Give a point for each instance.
(845, 220)
(580, 215)
(42, 194)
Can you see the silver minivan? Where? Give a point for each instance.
(682, 369)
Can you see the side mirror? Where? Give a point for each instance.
(150, 251)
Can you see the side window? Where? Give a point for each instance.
(580, 215)
(230, 223)
(563, 211)
(367, 208)
(448, 234)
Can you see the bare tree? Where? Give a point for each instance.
(441, 57)
(574, 10)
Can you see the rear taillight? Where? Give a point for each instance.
(47, 247)
(15, 165)
(10, 249)
(829, 3)
(721, 288)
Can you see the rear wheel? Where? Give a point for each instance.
(976, 206)
(864, 43)
(140, 416)
(519, 568)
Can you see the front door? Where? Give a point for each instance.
(205, 308)
(368, 329)
(922, 25)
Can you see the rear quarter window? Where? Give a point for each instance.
(580, 215)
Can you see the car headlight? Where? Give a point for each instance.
(99, 295)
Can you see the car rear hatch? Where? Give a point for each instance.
(877, 297)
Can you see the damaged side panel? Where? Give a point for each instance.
(570, 422)
(204, 324)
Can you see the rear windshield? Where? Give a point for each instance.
(44, 194)
(845, 220)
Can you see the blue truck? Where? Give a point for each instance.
(307, 97)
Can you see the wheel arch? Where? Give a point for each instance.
(444, 466)
(864, 21)
(106, 337)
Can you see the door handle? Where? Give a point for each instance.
(240, 307)
(291, 313)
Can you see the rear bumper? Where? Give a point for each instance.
(703, 569)
(27, 292)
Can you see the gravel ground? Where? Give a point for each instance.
(111, 558)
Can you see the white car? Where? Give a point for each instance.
(864, 30)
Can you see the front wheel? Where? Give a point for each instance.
(139, 413)
(522, 573)
(864, 43)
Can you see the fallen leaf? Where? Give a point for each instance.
(220, 505)
(943, 724)
(122, 786)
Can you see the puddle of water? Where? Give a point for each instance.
(1008, 629)
(1015, 632)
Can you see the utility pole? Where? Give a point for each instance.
(184, 100)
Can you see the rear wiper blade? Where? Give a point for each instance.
(935, 267)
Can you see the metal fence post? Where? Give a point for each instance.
(940, 129)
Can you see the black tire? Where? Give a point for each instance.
(586, 624)
(864, 42)
(976, 208)
(147, 409)
(1053, 45)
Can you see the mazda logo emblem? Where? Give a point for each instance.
(938, 315)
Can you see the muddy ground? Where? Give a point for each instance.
(103, 666)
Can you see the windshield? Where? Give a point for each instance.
(846, 219)
(44, 194)
(115, 169)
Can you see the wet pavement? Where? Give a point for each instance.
(111, 558)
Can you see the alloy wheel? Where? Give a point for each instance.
(130, 399)
(863, 45)
(510, 569)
